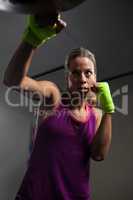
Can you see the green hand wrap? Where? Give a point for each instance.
(36, 35)
(105, 97)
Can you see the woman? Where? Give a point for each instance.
(74, 131)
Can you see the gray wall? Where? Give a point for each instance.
(14, 141)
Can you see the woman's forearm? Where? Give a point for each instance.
(19, 64)
(102, 140)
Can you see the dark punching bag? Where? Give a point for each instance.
(38, 6)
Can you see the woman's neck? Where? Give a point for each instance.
(79, 107)
(74, 101)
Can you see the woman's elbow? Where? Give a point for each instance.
(9, 82)
(6, 82)
(98, 158)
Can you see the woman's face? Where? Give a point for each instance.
(81, 76)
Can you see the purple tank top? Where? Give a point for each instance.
(59, 164)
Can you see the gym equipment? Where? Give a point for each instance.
(38, 6)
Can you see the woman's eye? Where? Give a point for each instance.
(88, 73)
(77, 73)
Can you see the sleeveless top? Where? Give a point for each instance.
(59, 164)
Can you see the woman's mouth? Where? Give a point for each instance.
(83, 89)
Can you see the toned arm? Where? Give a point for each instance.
(102, 139)
(16, 75)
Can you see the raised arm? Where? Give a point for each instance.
(39, 30)
(19, 64)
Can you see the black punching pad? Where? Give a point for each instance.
(38, 6)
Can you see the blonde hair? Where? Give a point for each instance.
(79, 52)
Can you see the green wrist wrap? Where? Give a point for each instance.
(36, 35)
(105, 97)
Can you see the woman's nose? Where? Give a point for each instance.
(82, 77)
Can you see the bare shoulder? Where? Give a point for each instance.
(98, 114)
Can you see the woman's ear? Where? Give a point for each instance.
(66, 79)
(66, 76)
